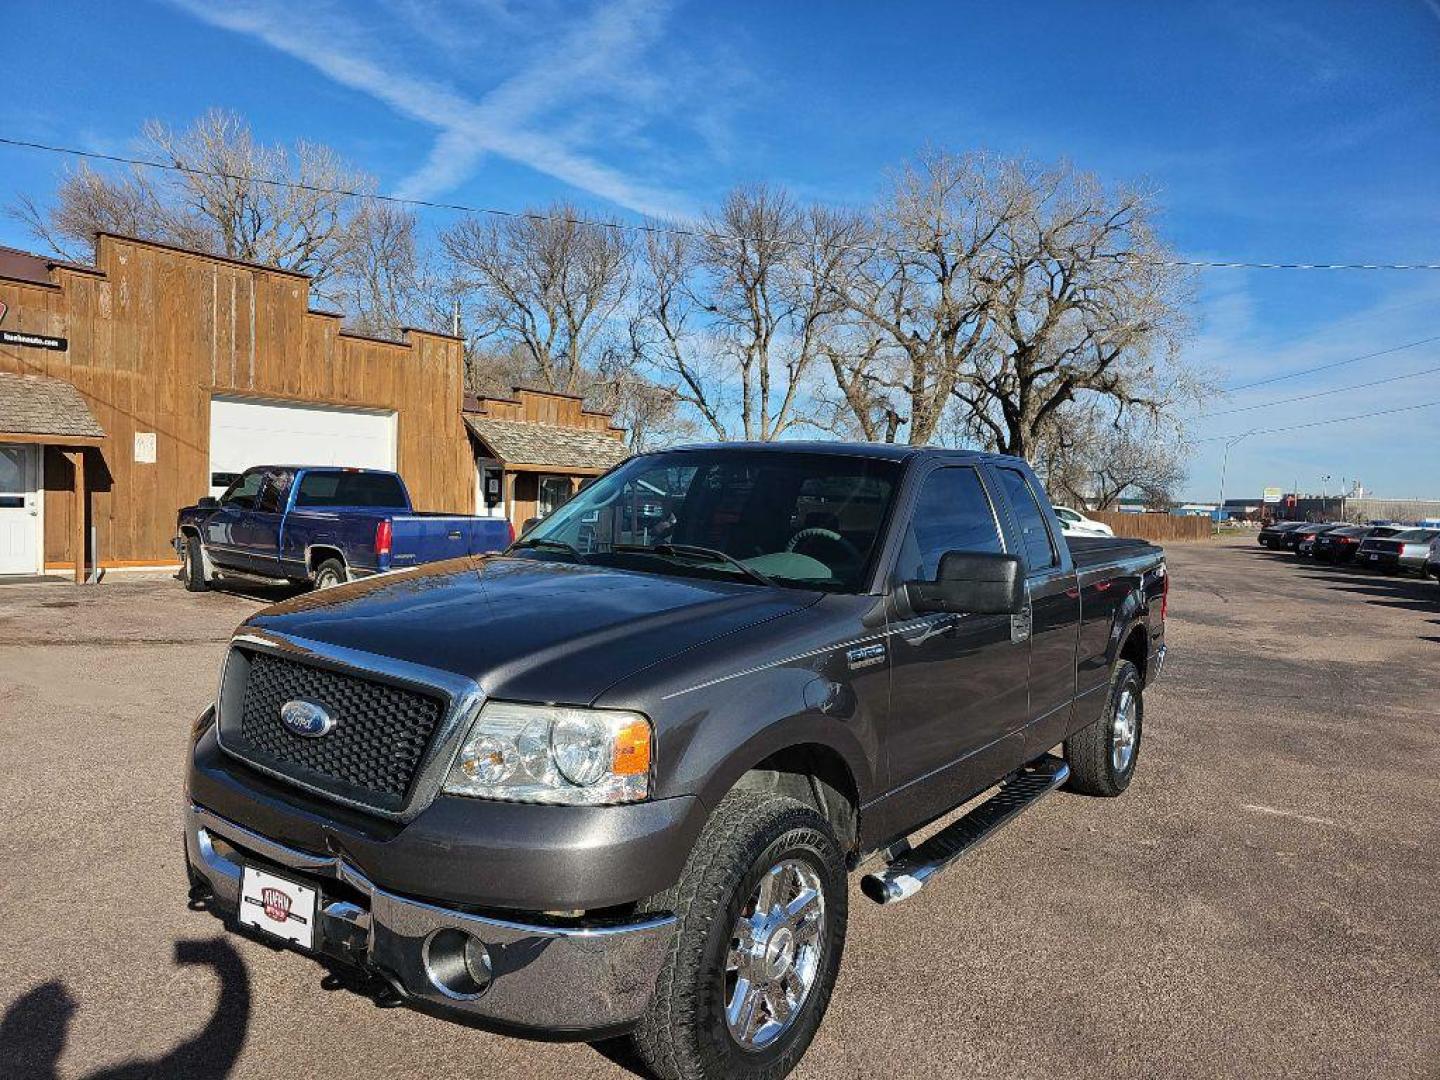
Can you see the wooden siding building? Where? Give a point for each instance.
(534, 448)
(152, 337)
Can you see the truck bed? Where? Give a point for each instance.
(1092, 551)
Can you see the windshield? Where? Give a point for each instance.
(798, 519)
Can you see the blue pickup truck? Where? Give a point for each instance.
(319, 525)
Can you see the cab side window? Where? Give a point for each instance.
(952, 513)
(1039, 550)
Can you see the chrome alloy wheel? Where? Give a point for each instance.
(775, 953)
(1125, 730)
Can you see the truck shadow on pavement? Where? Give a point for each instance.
(1395, 591)
(259, 592)
(35, 1028)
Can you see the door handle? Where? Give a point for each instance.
(1022, 625)
(455, 535)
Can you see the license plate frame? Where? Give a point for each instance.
(278, 906)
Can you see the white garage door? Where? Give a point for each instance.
(246, 432)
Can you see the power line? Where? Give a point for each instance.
(1327, 367)
(1320, 423)
(641, 227)
(1318, 393)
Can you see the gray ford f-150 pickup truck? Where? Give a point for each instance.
(613, 780)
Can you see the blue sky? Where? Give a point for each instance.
(1274, 131)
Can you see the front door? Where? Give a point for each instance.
(222, 532)
(958, 696)
(256, 532)
(19, 509)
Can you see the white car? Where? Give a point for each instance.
(1074, 523)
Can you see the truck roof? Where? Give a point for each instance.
(325, 468)
(881, 451)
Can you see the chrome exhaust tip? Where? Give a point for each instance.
(889, 887)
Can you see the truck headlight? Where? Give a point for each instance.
(554, 754)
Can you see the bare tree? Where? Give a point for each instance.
(302, 224)
(544, 282)
(1004, 291)
(380, 275)
(1091, 456)
(1081, 297)
(216, 197)
(649, 411)
(739, 316)
(87, 203)
(917, 289)
(667, 330)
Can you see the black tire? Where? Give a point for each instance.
(330, 573)
(1091, 753)
(684, 1034)
(192, 566)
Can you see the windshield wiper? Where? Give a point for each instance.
(551, 545)
(694, 551)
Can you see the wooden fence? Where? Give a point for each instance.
(1161, 527)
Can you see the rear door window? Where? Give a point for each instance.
(1039, 549)
(952, 513)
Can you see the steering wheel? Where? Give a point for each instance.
(824, 534)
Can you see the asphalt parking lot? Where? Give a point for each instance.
(1262, 902)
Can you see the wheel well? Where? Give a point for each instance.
(1136, 650)
(320, 554)
(815, 775)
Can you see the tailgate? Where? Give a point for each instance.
(424, 538)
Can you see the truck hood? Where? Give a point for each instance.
(526, 629)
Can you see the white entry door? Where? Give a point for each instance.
(245, 432)
(19, 509)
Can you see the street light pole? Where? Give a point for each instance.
(1225, 465)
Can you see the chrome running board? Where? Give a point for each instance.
(905, 875)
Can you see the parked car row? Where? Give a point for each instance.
(1391, 549)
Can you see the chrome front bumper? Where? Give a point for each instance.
(544, 979)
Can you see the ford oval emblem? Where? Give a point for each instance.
(306, 718)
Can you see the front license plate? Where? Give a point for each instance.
(278, 906)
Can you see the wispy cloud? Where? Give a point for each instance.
(594, 69)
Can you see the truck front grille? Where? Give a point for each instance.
(372, 754)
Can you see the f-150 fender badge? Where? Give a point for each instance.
(866, 655)
(1022, 624)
